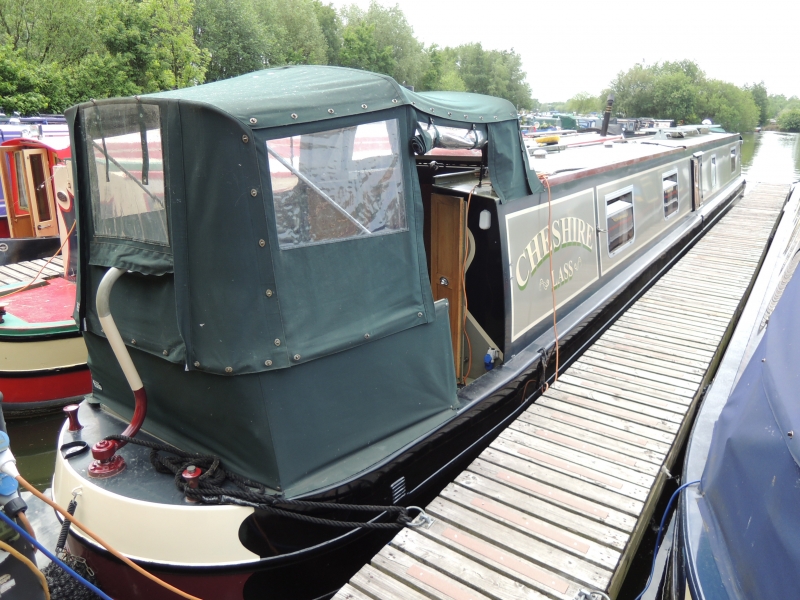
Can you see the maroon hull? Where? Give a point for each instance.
(121, 582)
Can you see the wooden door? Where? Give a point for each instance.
(43, 208)
(448, 217)
(15, 191)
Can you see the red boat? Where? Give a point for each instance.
(42, 355)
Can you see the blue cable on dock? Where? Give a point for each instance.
(52, 557)
(660, 530)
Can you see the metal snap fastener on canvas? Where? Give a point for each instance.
(165, 353)
(269, 293)
(196, 363)
(229, 369)
(277, 342)
(419, 314)
(294, 115)
(330, 111)
(262, 243)
(254, 192)
(296, 357)
(245, 138)
(268, 363)
(366, 336)
(253, 120)
(133, 342)
(363, 106)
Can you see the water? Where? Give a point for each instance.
(771, 157)
(33, 442)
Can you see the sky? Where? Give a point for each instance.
(573, 46)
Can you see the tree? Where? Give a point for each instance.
(759, 93)
(45, 31)
(442, 73)
(360, 50)
(331, 25)
(584, 103)
(409, 59)
(20, 84)
(728, 105)
(298, 37)
(789, 120)
(153, 42)
(493, 72)
(233, 35)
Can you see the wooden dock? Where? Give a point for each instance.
(560, 500)
(18, 274)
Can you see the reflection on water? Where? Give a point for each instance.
(771, 157)
(33, 442)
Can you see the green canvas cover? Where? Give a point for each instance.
(568, 122)
(206, 220)
(278, 303)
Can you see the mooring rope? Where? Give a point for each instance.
(248, 492)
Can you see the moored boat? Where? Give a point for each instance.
(735, 528)
(42, 355)
(342, 290)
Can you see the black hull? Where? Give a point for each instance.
(14, 250)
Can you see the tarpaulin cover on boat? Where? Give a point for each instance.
(750, 490)
(278, 304)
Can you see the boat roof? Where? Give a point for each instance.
(307, 93)
(589, 159)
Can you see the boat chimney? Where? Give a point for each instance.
(607, 115)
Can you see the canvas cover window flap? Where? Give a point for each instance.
(126, 169)
(337, 184)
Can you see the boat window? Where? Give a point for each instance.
(619, 219)
(22, 188)
(733, 160)
(670, 183)
(337, 184)
(126, 169)
(714, 172)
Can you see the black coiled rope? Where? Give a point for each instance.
(251, 493)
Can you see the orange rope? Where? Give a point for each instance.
(546, 183)
(464, 286)
(105, 545)
(44, 266)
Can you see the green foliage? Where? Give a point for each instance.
(584, 103)
(331, 25)
(153, 42)
(730, 106)
(55, 53)
(21, 84)
(236, 40)
(298, 37)
(360, 50)
(681, 91)
(789, 120)
(759, 93)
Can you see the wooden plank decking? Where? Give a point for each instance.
(560, 500)
(23, 272)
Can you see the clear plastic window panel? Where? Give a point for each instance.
(126, 168)
(670, 195)
(619, 221)
(337, 184)
(733, 160)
